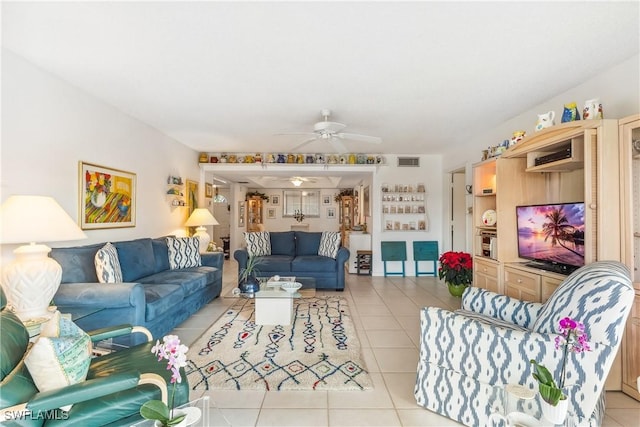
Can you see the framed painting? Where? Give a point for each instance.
(208, 190)
(192, 196)
(275, 200)
(326, 199)
(240, 214)
(271, 213)
(331, 213)
(107, 197)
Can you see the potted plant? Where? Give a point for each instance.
(573, 339)
(247, 281)
(176, 354)
(456, 268)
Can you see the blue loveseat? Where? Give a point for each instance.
(151, 295)
(295, 253)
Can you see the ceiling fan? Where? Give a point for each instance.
(297, 181)
(331, 131)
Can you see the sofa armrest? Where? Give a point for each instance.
(341, 257)
(117, 331)
(242, 256)
(213, 259)
(102, 295)
(500, 306)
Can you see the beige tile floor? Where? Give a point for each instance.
(386, 315)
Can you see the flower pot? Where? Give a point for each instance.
(555, 414)
(192, 413)
(456, 290)
(250, 285)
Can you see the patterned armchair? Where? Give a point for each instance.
(466, 355)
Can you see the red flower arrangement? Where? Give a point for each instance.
(456, 268)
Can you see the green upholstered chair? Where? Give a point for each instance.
(117, 384)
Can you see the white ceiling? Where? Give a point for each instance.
(228, 76)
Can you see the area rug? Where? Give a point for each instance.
(318, 351)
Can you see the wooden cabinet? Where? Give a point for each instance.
(356, 242)
(521, 284)
(485, 274)
(347, 216)
(630, 178)
(254, 213)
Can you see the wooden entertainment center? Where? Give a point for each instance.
(591, 161)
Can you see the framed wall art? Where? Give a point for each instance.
(107, 197)
(240, 214)
(192, 197)
(331, 213)
(326, 199)
(271, 213)
(275, 200)
(208, 190)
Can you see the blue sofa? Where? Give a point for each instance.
(295, 253)
(152, 295)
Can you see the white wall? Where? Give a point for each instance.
(279, 223)
(48, 126)
(618, 89)
(430, 173)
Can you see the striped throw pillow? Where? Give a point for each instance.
(108, 265)
(184, 252)
(329, 244)
(258, 243)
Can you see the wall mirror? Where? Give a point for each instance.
(308, 201)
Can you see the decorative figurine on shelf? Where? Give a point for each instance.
(517, 137)
(309, 159)
(223, 158)
(545, 120)
(592, 109)
(570, 113)
(319, 158)
(281, 158)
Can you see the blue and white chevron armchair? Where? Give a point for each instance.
(466, 355)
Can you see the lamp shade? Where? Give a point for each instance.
(201, 216)
(27, 219)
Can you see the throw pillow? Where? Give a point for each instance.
(184, 252)
(329, 244)
(108, 265)
(60, 356)
(258, 243)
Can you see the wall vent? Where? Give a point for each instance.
(409, 162)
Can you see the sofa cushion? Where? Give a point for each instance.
(108, 265)
(307, 243)
(161, 298)
(161, 254)
(313, 263)
(77, 263)
(329, 244)
(190, 280)
(273, 263)
(283, 243)
(136, 259)
(60, 356)
(258, 243)
(183, 252)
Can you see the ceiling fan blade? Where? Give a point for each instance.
(295, 133)
(358, 137)
(338, 145)
(305, 142)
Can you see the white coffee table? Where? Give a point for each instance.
(274, 306)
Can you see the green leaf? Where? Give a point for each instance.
(176, 420)
(542, 374)
(155, 410)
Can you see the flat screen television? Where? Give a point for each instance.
(552, 236)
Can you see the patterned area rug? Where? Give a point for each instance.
(318, 351)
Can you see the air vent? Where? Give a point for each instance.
(243, 182)
(411, 162)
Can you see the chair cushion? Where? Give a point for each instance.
(108, 265)
(313, 263)
(183, 252)
(60, 356)
(136, 259)
(307, 243)
(283, 243)
(590, 291)
(258, 243)
(329, 244)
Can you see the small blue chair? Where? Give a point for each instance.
(426, 251)
(394, 251)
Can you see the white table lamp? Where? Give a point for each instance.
(199, 218)
(31, 280)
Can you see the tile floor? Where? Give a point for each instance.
(386, 315)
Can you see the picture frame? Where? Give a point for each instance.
(271, 213)
(240, 214)
(208, 190)
(192, 197)
(326, 199)
(275, 200)
(365, 202)
(331, 213)
(106, 198)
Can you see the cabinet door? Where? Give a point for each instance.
(522, 285)
(485, 275)
(549, 284)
